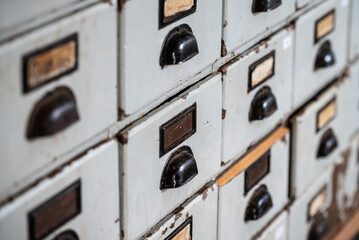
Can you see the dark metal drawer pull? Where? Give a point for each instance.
(180, 168)
(55, 112)
(265, 5)
(264, 104)
(325, 56)
(259, 204)
(327, 144)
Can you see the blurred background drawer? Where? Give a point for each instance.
(320, 51)
(159, 54)
(58, 89)
(73, 203)
(194, 219)
(244, 20)
(256, 92)
(309, 215)
(169, 155)
(250, 200)
(321, 131)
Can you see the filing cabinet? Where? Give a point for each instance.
(256, 92)
(169, 155)
(320, 49)
(58, 89)
(80, 202)
(309, 214)
(346, 180)
(176, 41)
(244, 20)
(258, 193)
(354, 37)
(277, 230)
(194, 219)
(321, 131)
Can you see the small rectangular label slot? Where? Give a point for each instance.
(55, 212)
(178, 129)
(317, 203)
(261, 70)
(173, 10)
(257, 171)
(326, 114)
(324, 25)
(183, 232)
(50, 63)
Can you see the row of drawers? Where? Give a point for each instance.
(66, 78)
(169, 155)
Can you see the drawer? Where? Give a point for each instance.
(354, 36)
(256, 93)
(68, 203)
(310, 214)
(169, 155)
(18, 15)
(346, 180)
(177, 47)
(328, 122)
(320, 49)
(277, 230)
(56, 82)
(195, 219)
(240, 17)
(249, 201)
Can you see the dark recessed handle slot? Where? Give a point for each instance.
(53, 113)
(67, 235)
(180, 169)
(180, 45)
(319, 228)
(259, 204)
(327, 144)
(264, 104)
(265, 5)
(325, 56)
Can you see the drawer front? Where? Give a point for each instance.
(256, 89)
(320, 51)
(328, 122)
(311, 210)
(67, 204)
(241, 16)
(196, 220)
(158, 65)
(346, 180)
(250, 200)
(56, 82)
(277, 230)
(354, 37)
(179, 152)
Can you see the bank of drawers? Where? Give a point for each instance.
(58, 89)
(164, 53)
(241, 125)
(80, 202)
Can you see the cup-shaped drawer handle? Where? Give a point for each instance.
(319, 228)
(259, 204)
(325, 56)
(327, 144)
(265, 5)
(180, 45)
(263, 105)
(67, 235)
(53, 113)
(181, 167)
